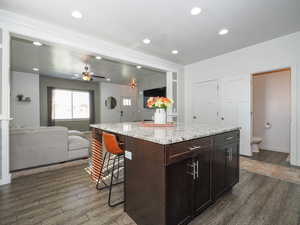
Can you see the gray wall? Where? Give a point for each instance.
(158, 81)
(46, 81)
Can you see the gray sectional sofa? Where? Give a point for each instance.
(33, 147)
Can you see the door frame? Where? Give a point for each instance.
(293, 112)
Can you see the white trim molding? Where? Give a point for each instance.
(5, 176)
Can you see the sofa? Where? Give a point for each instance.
(33, 147)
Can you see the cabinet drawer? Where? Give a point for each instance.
(228, 137)
(183, 150)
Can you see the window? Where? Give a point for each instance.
(126, 101)
(68, 104)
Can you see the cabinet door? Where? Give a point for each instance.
(232, 165)
(180, 180)
(219, 170)
(203, 183)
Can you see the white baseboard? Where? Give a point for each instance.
(5, 179)
(274, 149)
(295, 162)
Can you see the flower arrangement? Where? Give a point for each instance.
(159, 102)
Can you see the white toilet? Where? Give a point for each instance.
(255, 144)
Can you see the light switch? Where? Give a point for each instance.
(128, 155)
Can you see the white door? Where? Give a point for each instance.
(272, 110)
(205, 102)
(236, 108)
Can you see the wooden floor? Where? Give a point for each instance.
(278, 158)
(66, 196)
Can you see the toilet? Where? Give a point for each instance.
(255, 144)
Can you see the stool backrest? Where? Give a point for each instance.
(111, 143)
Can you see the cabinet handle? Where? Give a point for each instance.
(193, 148)
(229, 138)
(197, 164)
(229, 154)
(193, 165)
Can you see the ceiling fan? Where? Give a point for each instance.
(89, 76)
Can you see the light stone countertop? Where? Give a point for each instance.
(164, 135)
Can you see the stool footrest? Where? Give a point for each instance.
(112, 176)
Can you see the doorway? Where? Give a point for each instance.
(271, 116)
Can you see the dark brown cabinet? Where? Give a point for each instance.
(171, 184)
(203, 183)
(180, 192)
(225, 162)
(189, 183)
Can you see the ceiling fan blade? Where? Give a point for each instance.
(102, 77)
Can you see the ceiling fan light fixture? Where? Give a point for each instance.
(87, 77)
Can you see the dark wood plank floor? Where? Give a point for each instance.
(278, 158)
(67, 196)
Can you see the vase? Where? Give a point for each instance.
(160, 116)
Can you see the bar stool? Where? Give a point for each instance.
(112, 149)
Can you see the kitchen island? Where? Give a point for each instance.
(174, 173)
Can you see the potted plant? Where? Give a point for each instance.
(160, 104)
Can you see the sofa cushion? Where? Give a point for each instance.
(77, 142)
(31, 130)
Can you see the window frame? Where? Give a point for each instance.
(72, 90)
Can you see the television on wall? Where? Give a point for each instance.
(157, 92)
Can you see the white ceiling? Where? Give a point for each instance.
(168, 23)
(61, 62)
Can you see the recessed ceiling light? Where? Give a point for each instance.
(147, 41)
(223, 31)
(35, 69)
(196, 11)
(37, 43)
(139, 67)
(98, 57)
(76, 14)
(108, 79)
(175, 52)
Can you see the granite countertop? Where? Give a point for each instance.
(164, 135)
